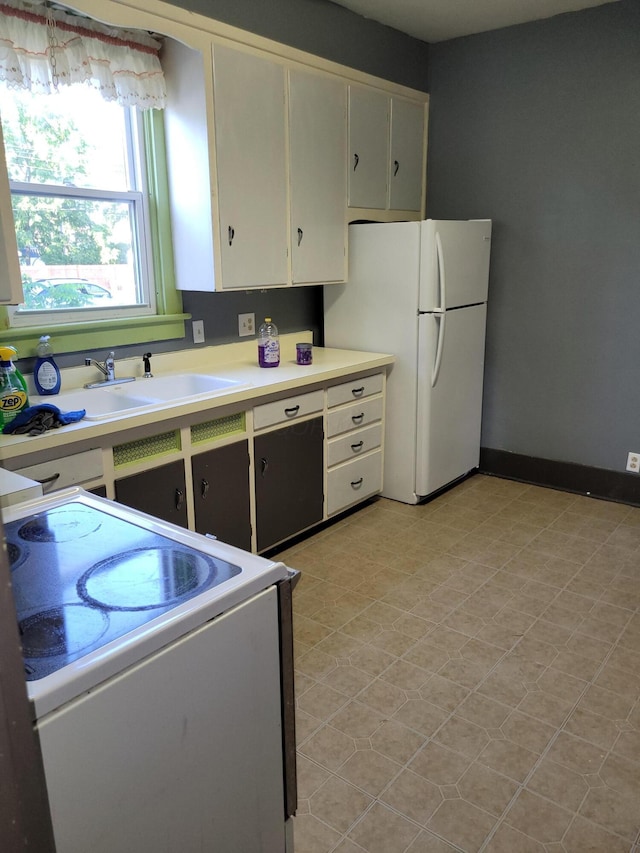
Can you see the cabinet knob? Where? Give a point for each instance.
(232, 234)
(204, 488)
(396, 166)
(300, 235)
(356, 160)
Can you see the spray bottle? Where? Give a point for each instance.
(13, 388)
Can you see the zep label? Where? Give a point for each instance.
(11, 403)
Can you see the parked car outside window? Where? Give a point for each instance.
(46, 293)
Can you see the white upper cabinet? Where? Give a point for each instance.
(386, 151)
(10, 278)
(251, 174)
(368, 147)
(318, 143)
(406, 155)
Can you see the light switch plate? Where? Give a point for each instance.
(197, 327)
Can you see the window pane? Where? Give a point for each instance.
(72, 138)
(76, 253)
(73, 160)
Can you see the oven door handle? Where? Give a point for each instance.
(285, 616)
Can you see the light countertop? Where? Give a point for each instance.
(237, 361)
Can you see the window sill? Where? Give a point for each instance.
(79, 337)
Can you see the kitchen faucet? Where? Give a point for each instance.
(108, 368)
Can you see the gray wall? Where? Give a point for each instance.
(324, 29)
(538, 128)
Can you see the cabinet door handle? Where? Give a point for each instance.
(357, 419)
(264, 464)
(357, 447)
(356, 160)
(355, 484)
(358, 392)
(179, 499)
(46, 480)
(204, 488)
(292, 411)
(300, 235)
(396, 166)
(232, 234)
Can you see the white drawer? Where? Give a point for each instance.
(354, 416)
(353, 444)
(353, 482)
(67, 471)
(356, 389)
(289, 409)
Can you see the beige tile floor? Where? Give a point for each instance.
(468, 675)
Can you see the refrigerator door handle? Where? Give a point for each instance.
(441, 319)
(442, 279)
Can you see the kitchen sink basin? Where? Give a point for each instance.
(180, 386)
(97, 402)
(132, 397)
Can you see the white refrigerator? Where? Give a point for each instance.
(419, 290)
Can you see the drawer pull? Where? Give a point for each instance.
(292, 411)
(358, 392)
(358, 446)
(357, 419)
(204, 488)
(264, 464)
(179, 499)
(355, 484)
(232, 234)
(46, 480)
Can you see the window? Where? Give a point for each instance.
(87, 172)
(77, 181)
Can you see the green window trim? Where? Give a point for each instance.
(168, 322)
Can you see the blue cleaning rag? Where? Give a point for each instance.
(34, 420)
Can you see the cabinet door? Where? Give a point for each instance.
(318, 131)
(406, 155)
(288, 480)
(159, 491)
(221, 493)
(10, 278)
(249, 115)
(368, 147)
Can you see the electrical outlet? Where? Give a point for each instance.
(246, 325)
(197, 327)
(633, 463)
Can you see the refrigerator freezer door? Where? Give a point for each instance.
(449, 396)
(454, 263)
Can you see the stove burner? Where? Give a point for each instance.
(146, 578)
(65, 524)
(16, 554)
(63, 630)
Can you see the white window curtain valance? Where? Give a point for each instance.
(42, 48)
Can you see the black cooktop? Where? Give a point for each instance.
(83, 578)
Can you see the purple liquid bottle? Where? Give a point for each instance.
(268, 344)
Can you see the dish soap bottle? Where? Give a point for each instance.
(46, 374)
(13, 388)
(268, 344)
